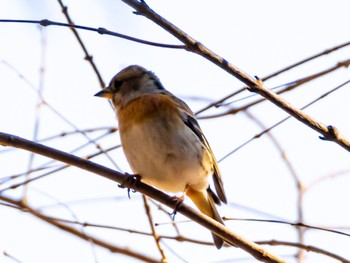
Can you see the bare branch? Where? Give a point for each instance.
(100, 30)
(326, 52)
(306, 247)
(287, 87)
(154, 232)
(88, 57)
(78, 233)
(329, 132)
(124, 179)
(283, 120)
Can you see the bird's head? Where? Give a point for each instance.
(129, 84)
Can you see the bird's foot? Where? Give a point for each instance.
(178, 203)
(130, 182)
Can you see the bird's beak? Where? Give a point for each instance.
(105, 93)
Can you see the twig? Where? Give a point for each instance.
(173, 222)
(39, 104)
(124, 179)
(288, 87)
(80, 234)
(283, 120)
(100, 30)
(154, 232)
(88, 57)
(329, 132)
(45, 165)
(6, 254)
(295, 177)
(299, 224)
(60, 115)
(306, 247)
(345, 172)
(326, 52)
(25, 182)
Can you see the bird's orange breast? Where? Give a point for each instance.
(146, 108)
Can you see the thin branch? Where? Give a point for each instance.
(130, 182)
(173, 222)
(78, 233)
(295, 177)
(60, 115)
(329, 132)
(67, 133)
(256, 136)
(25, 182)
(88, 57)
(326, 52)
(178, 238)
(299, 224)
(287, 87)
(109, 130)
(100, 30)
(39, 104)
(6, 254)
(306, 247)
(345, 172)
(46, 165)
(153, 229)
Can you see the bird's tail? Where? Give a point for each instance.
(205, 201)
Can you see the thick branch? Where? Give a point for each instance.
(329, 132)
(252, 248)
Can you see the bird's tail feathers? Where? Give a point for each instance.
(205, 202)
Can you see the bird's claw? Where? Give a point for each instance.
(178, 203)
(130, 182)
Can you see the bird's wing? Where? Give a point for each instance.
(192, 123)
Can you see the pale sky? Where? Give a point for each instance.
(260, 37)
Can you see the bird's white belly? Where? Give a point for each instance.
(169, 159)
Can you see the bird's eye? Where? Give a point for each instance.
(117, 84)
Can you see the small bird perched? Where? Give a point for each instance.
(162, 140)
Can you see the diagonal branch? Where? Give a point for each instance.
(255, 250)
(88, 57)
(113, 248)
(329, 132)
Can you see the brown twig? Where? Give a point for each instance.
(330, 133)
(295, 84)
(173, 222)
(326, 52)
(88, 57)
(78, 233)
(153, 229)
(345, 172)
(178, 238)
(283, 120)
(297, 181)
(124, 179)
(6, 254)
(305, 247)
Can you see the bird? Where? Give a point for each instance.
(163, 142)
